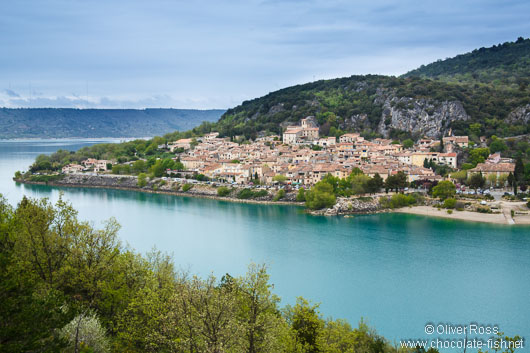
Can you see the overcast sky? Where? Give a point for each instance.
(217, 53)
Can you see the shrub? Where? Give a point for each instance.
(449, 203)
(445, 189)
(397, 201)
(142, 180)
(46, 178)
(483, 209)
(450, 211)
(261, 193)
(244, 194)
(401, 200)
(223, 191)
(279, 195)
(320, 196)
(186, 187)
(250, 194)
(300, 196)
(528, 204)
(420, 199)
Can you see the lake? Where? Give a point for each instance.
(397, 271)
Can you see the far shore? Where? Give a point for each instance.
(78, 138)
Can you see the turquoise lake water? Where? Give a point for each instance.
(397, 271)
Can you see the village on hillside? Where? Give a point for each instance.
(301, 157)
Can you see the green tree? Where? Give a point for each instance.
(258, 308)
(359, 184)
(476, 181)
(209, 316)
(116, 169)
(139, 166)
(478, 155)
(223, 191)
(300, 196)
(46, 234)
(397, 181)
(475, 129)
(279, 178)
(374, 184)
(142, 180)
(445, 189)
(279, 195)
(321, 195)
(42, 162)
(498, 145)
(460, 176)
(158, 169)
(519, 170)
(408, 143)
(29, 314)
(492, 180)
(306, 323)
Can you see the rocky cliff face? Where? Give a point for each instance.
(520, 115)
(419, 116)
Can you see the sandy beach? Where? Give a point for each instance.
(503, 217)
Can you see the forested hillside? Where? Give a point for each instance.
(506, 64)
(57, 123)
(395, 106)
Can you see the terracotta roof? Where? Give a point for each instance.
(489, 167)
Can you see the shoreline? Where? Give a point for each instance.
(161, 192)
(502, 218)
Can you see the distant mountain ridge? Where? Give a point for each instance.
(485, 92)
(67, 122)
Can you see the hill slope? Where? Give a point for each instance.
(402, 106)
(64, 122)
(506, 64)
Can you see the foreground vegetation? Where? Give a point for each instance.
(66, 286)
